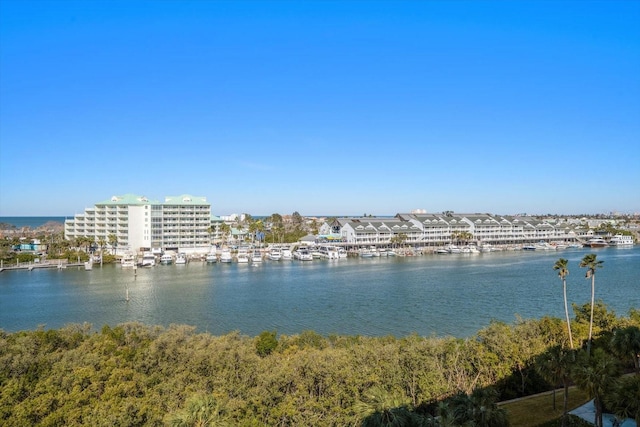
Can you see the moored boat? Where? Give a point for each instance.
(275, 254)
(148, 260)
(596, 242)
(621, 240)
(128, 261)
(225, 255)
(302, 254)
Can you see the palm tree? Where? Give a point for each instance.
(591, 263)
(479, 409)
(379, 407)
(563, 272)
(555, 366)
(225, 229)
(597, 377)
(113, 242)
(624, 399)
(625, 343)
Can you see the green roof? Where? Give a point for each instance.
(128, 199)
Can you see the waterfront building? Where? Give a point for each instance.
(133, 223)
(423, 229)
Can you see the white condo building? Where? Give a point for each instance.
(180, 223)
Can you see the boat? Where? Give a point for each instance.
(225, 255)
(275, 254)
(596, 242)
(302, 254)
(148, 260)
(391, 252)
(453, 249)
(88, 265)
(529, 248)
(211, 257)
(342, 253)
(128, 261)
(486, 247)
(166, 259)
(441, 251)
(287, 255)
(181, 259)
(243, 256)
(621, 240)
(256, 256)
(315, 251)
(365, 253)
(329, 252)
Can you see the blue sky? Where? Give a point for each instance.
(325, 107)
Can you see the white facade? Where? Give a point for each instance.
(137, 223)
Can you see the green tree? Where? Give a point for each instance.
(266, 342)
(596, 376)
(591, 263)
(624, 399)
(555, 366)
(200, 411)
(563, 272)
(479, 409)
(625, 343)
(113, 242)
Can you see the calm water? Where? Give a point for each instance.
(30, 221)
(442, 295)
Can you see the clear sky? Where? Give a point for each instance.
(321, 107)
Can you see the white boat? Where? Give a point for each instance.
(453, 249)
(441, 251)
(621, 240)
(275, 254)
(181, 259)
(243, 256)
(342, 253)
(88, 265)
(329, 252)
(529, 247)
(391, 252)
(287, 255)
(211, 257)
(128, 261)
(302, 254)
(365, 253)
(315, 251)
(225, 255)
(166, 259)
(256, 256)
(148, 260)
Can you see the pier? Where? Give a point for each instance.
(29, 266)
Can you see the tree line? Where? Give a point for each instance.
(133, 374)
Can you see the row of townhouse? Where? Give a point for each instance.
(424, 229)
(133, 223)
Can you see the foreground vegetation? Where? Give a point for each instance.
(134, 374)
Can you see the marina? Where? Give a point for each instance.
(454, 294)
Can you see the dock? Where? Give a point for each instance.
(36, 265)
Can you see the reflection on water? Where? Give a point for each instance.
(442, 295)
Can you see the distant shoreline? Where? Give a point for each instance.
(30, 221)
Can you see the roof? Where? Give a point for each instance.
(185, 199)
(127, 199)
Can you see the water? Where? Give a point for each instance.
(30, 221)
(430, 295)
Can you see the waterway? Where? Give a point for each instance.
(428, 295)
